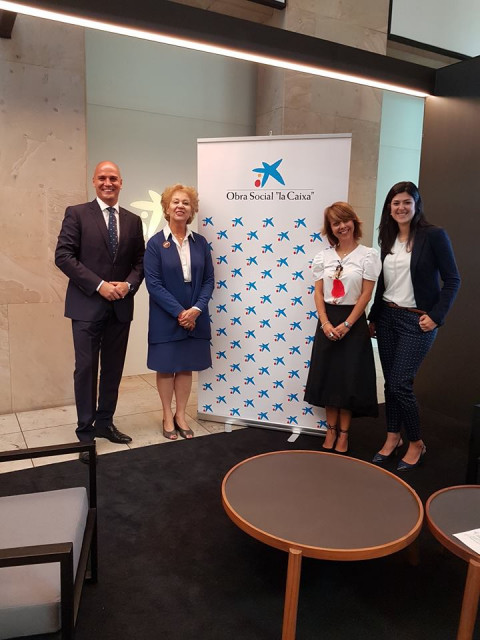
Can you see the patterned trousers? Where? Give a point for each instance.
(402, 346)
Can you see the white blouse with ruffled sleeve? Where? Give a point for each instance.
(342, 278)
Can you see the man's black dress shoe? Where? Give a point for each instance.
(113, 434)
(84, 457)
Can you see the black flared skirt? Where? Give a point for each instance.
(342, 372)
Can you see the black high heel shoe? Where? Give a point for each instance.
(379, 458)
(330, 428)
(405, 466)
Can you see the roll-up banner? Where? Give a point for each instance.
(261, 209)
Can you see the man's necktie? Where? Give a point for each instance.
(112, 230)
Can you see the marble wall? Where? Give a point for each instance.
(42, 169)
(298, 103)
(291, 103)
(43, 161)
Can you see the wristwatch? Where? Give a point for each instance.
(348, 324)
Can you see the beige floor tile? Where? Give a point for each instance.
(44, 418)
(144, 428)
(192, 411)
(48, 436)
(193, 402)
(105, 446)
(9, 423)
(64, 434)
(151, 378)
(9, 442)
(8, 467)
(133, 383)
(140, 400)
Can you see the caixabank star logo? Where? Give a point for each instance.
(270, 185)
(267, 171)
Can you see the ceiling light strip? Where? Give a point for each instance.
(205, 47)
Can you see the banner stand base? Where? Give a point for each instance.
(295, 430)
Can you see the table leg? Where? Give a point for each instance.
(413, 553)
(470, 602)
(291, 594)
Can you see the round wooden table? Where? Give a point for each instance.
(320, 505)
(455, 510)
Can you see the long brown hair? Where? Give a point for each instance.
(388, 228)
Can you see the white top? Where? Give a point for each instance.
(397, 278)
(106, 214)
(183, 251)
(363, 263)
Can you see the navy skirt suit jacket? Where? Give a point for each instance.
(170, 295)
(432, 264)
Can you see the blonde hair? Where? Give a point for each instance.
(167, 196)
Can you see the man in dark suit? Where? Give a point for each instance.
(100, 248)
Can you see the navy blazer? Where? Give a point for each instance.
(168, 294)
(432, 260)
(83, 254)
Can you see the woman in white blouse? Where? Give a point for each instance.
(409, 306)
(342, 370)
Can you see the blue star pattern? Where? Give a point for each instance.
(272, 350)
(261, 213)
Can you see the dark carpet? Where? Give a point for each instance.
(174, 567)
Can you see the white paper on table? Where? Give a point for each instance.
(470, 538)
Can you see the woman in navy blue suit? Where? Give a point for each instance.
(409, 306)
(179, 278)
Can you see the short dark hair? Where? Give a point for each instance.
(344, 212)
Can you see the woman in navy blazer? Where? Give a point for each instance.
(179, 278)
(410, 303)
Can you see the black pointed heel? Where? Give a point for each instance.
(405, 466)
(379, 458)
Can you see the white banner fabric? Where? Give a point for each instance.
(261, 209)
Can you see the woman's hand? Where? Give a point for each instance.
(372, 329)
(187, 318)
(426, 323)
(341, 331)
(330, 331)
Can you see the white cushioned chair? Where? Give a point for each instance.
(48, 548)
